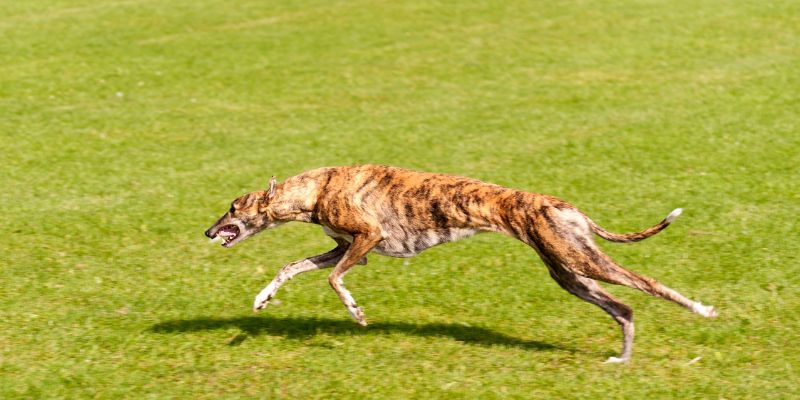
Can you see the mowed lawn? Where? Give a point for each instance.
(128, 126)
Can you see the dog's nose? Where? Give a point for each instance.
(208, 234)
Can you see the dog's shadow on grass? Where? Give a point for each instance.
(306, 328)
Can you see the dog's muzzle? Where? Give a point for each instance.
(229, 233)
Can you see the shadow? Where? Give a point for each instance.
(305, 328)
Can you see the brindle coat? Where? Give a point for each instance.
(399, 213)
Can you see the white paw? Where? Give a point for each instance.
(263, 298)
(615, 360)
(358, 314)
(260, 303)
(706, 311)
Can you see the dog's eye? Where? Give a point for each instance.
(232, 210)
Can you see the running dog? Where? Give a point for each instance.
(399, 213)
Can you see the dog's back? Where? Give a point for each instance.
(417, 210)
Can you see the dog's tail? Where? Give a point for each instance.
(637, 236)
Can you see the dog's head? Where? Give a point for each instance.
(248, 215)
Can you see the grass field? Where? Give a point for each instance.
(128, 126)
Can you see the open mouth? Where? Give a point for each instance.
(228, 233)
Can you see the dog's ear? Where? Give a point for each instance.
(271, 190)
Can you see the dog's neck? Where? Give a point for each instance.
(295, 200)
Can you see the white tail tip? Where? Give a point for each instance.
(674, 214)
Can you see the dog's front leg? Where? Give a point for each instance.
(288, 272)
(362, 244)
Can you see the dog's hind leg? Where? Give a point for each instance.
(289, 271)
(613, 273)
(566, 236)
(576, 251)
(590, 291)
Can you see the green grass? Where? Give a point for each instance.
(128, 126)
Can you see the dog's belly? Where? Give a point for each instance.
(409, 244)
(403, 244)
(337, 235)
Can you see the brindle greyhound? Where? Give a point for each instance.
(399, 213)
